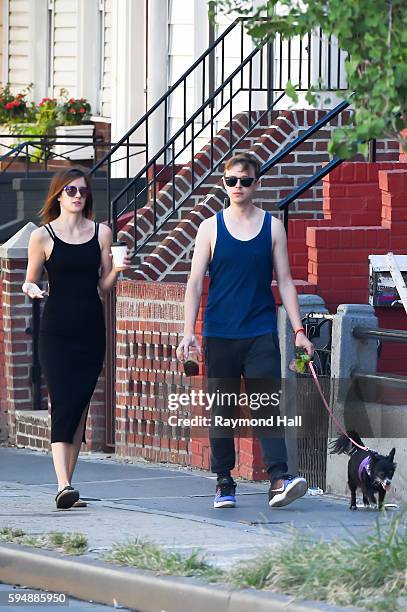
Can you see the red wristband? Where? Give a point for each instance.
(297, 331)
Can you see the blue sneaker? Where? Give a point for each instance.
(225, 493)
(293, 487)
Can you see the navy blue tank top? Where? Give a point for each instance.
(240, 301)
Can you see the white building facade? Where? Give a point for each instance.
(123, 55)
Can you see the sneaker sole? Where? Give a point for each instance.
(225, 504)
(292, 492)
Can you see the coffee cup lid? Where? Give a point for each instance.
(119, 243)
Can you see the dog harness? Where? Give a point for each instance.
(365, 465)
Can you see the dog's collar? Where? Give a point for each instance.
(365, 465)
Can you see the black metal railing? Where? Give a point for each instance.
(315, 178)
(43, 149)
(391, 335)
(305, 185)
(220, 98)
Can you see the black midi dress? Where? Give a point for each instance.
(72, 339)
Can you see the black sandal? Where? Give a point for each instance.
(66, 498)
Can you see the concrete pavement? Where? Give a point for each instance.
(170, 506)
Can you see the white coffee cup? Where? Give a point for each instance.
(119, 252)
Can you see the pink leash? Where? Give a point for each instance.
(335, 420)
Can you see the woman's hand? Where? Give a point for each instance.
(126, 263)
(32, 290)
(301, 341)
(184, 346)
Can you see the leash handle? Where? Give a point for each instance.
(335, 420)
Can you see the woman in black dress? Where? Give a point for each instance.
(75, 250)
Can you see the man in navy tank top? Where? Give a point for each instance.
(242, 245)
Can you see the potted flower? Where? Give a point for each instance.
(46, 119)
(74, 115)
(17, 115)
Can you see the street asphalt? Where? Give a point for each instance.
(73, 604)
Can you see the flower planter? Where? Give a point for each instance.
(7, 143)
(80, 135)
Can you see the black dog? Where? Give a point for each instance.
(367, 470)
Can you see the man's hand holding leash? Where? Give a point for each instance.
(301, 341)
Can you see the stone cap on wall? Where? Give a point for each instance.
(16, 247)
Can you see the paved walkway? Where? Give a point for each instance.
(170, 506)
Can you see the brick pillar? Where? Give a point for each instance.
(149, 324)
(16, 318)
(3, 387)
(352, 195)
(394, 210)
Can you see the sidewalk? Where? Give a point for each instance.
(170, 506)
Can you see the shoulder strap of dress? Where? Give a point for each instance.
(50, 231)
(96, 229)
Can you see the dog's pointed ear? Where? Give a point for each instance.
(373, 457)
(392, 453)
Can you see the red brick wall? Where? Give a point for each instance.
(17, 343)
(366, 205)
(3, 394)
(32, 430)
(149, 327)
(149, 320)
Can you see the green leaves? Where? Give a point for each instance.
(374, 34)
(311, 98)
(291, 91)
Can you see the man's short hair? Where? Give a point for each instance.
(246, 160)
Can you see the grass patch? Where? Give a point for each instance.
(68, 543)
(369, 573)
(143, 554)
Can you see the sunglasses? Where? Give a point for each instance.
(231, 181)
(71, 191)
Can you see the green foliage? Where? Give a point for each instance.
(47, 115)
(69, 543)
(147, 555)
(375, 36)
(369, 572)
(73, 111)
(301, 361)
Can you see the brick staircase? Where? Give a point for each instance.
(167, 254)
